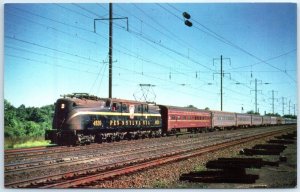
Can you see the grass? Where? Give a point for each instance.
(160, 184)
(25, 142)
(199, 168)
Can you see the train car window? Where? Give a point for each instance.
(146, 109)
(178, 117)
(173, 117)
(184, 117)
(124, 107)
(139, 108)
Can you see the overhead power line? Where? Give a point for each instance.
(224, 40)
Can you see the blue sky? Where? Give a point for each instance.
(52, 49)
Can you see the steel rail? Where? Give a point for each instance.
(156, 162)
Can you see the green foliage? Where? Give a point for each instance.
(160, 184)
(199, 168)
(191, 106)
(252, 112)
(290, 116)
(274, 115)
(24, 142)
(26, 121)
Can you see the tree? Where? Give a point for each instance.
(252, 112)
(290, 116)
(26, 121)
(272, 114)
(191, 106)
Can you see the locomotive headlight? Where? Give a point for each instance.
(62, 106)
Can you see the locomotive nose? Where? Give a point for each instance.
(62, 109)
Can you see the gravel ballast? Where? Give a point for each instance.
(167, 176)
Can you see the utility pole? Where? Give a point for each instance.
(222, 75)
(289, 107)
(294, 109)
(256, 103)
(110, 46)
(110, 52)
(255, 97)
(273, 99)
(221, 83)
(283, 105)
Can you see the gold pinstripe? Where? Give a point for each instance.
(113, 114)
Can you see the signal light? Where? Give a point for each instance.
(186, 15)
(188, 23)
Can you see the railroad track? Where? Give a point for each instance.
(15, 154)
(134, 163)
(30, 166)
(44, 157)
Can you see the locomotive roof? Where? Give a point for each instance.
(129, 101)
(86, 99)
(183, 108)
(85, 102)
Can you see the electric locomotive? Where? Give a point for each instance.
(82, 119)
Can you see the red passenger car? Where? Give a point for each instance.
(243, 120)
(257, 120)
(266, 120)
(222, 120)
(177, 119)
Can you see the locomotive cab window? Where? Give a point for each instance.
(115, 107)
(107, 103)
